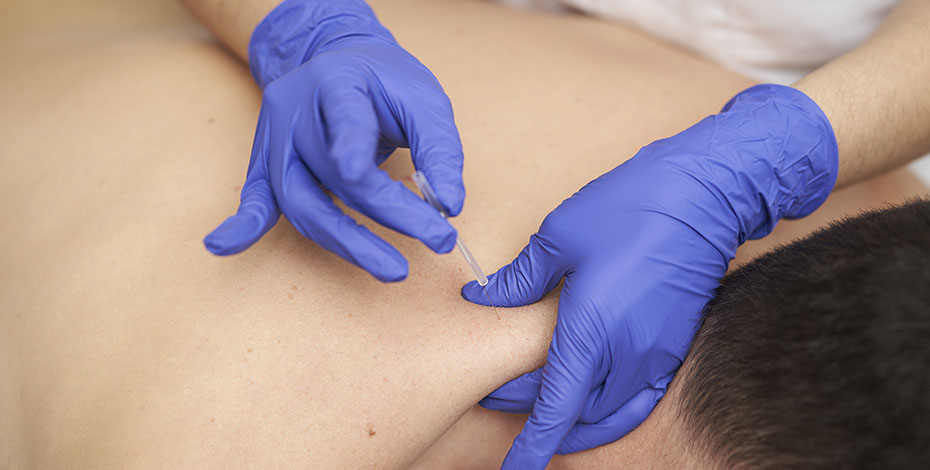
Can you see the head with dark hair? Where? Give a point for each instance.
(817, 355)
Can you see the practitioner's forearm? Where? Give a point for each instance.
(232, 21)
(877, 96)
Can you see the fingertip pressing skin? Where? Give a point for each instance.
(238, 232)
(474, 293)
(221, 241)
(527, 279)
(516, 396)
(616, 425)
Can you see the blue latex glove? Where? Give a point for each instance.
(339, 96)
(641, 250)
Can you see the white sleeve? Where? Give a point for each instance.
(551, 5)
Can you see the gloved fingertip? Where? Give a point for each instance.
(571, 444)
(446, 242)
(516, 396)
(507, 406)
(391, 276)
(453, 199)
(624, 420)
(474, 293)
(437, 234)
(214, 245)
(227, 238)
(520, 459)
(455, 209)
(490, 403)
(395, 271)
(356, 244)
(450, 188)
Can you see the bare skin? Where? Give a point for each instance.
(124, 344)
(232, 21)
(876, 96)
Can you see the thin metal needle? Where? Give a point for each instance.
(491, 302)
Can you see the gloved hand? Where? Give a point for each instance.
(641, 250)
(339, 96)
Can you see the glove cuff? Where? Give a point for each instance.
(297, 30)
(798, 169)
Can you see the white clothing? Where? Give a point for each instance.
(776, 42)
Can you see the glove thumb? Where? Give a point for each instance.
(517, 396)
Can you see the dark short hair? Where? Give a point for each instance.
(817, 355)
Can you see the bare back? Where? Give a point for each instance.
(126, 134)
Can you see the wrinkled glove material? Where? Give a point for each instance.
(339, 96)
(641, 250)
(297, 30)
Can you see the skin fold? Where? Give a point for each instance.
(124, 344)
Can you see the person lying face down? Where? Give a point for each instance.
(815, 355)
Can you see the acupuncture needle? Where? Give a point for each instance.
(419, 178)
